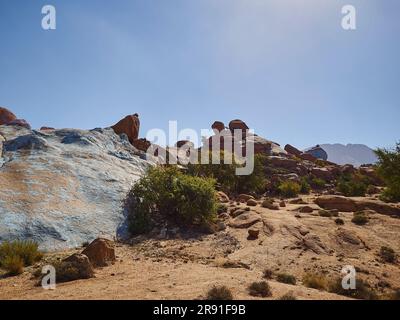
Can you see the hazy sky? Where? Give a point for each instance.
(285, 67)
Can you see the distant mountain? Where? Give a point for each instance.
(355, 154)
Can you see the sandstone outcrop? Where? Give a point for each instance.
(129, 125)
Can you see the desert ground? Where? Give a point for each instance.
(186, 266)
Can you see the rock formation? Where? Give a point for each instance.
(64, 187)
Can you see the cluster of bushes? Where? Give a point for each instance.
(16, 255)
(362, 291)
(226, 177)
(173, 195)
(388, 168)
(289, 189)
(353, 185)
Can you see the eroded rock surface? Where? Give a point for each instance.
(64, 187)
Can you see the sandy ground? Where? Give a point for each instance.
(290, 242)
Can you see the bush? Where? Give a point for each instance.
(177, 197)
(317, 183)
(267, 274)
(315, 281)
(362, 291)
(339, 221)
(288, 296)
(225, 175)
(13, 264)
(286, 278)
(219, 293)
(305, 187)
(18, 254)
(388, 168)
(260, 289)
(289, 189)
(387, 254)
(353, 185)
(359, 218)
(324, 213)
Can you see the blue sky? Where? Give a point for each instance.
(285, 67)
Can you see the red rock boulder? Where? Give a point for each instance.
(292, 150)
(6, 116)
(129, 125)
(100, 252)
(141, 144)
(218, 126)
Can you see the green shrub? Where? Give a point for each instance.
(17, 254)
(353, 185)
(324, 213)
(289, 189)
(362, 291)
(219, 293)
(387, 254)
(13, 264)
(388, 168)
(226, 177)
(317, 183)
(177, 197)
(360, 218)
(260, 289)
(305, 187)
(286, 278)
(315, 281)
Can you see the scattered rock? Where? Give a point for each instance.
(244, 197)
(237, 212)
(100, 252)
(282, 204)
(305, 209)
(297, 201)
(344, 237)
(245, 220)
(322, 173)
(222, 197)
(253, 233)
(82, 264)
(267, 203)
(251, 202)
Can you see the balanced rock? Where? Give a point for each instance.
(129, 125)
(218, 126)
(292, 150)
(238, 125)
